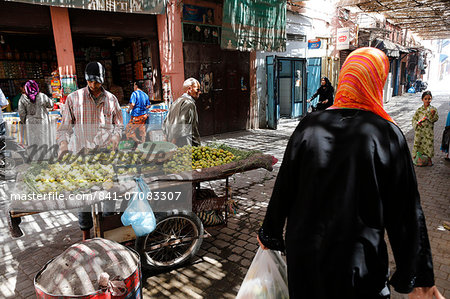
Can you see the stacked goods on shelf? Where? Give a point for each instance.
(146, 49)
(49, 67)
(137, 50)
(8, 53)
(80, 67)
(127, 55)
(108, 66)
(120, 58)
(147, 68)
(128, 72)
(2, 70)
(20, 69)
(8, 88)
(17, 65)
(138, 71)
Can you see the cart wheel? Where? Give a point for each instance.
(8, 163)
(175, 240)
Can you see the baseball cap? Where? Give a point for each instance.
(95, 72)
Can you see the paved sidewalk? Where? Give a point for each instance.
(223, 260)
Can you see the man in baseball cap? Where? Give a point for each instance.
(95, 72)
(93, 116)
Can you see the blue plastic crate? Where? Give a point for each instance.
(126, 116)
(10, 114)
(156, 119)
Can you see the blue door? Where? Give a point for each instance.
(272, 107)
(290, 76)
(299, 87)
(314, 70)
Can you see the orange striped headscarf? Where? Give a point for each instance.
(361, 81)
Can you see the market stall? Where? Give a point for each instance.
(182, 168)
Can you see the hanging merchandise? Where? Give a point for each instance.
(148, 85)
(68, 83)
(167, 90)
(243, 86)
(56, 86)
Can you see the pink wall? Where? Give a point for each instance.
(63, 38)
(170, 36)
(171, 46)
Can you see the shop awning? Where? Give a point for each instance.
(130, 6)
(391, 49)
(254, 25)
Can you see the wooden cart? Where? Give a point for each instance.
(179, 233)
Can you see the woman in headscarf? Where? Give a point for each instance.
(325, 93)
(346, 177)
(423, 124)
(445, 144)
(33, 114)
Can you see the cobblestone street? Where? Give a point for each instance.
(222, 262)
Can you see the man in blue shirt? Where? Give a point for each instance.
(139, 103)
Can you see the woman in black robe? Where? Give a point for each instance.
(325, 93)
(346, 177)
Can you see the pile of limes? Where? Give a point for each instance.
(196, 157)
(75, 172)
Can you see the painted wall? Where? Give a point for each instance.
(171, 46)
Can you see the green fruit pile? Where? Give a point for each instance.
(82, 172)
(71, 177)
(196, 157)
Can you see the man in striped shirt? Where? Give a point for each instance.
(93, 117)
(91, 114)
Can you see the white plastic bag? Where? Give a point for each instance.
(266, 278)
(139, 213)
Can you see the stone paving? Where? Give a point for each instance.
(222, 262)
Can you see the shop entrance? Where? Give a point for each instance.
(125, 60)
(127, 46)
(26, 57)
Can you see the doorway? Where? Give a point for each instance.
(286, 88)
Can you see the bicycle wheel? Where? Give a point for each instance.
(175, 240)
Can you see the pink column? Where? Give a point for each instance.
(63, 39)
(253, 122)
(171, 46)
